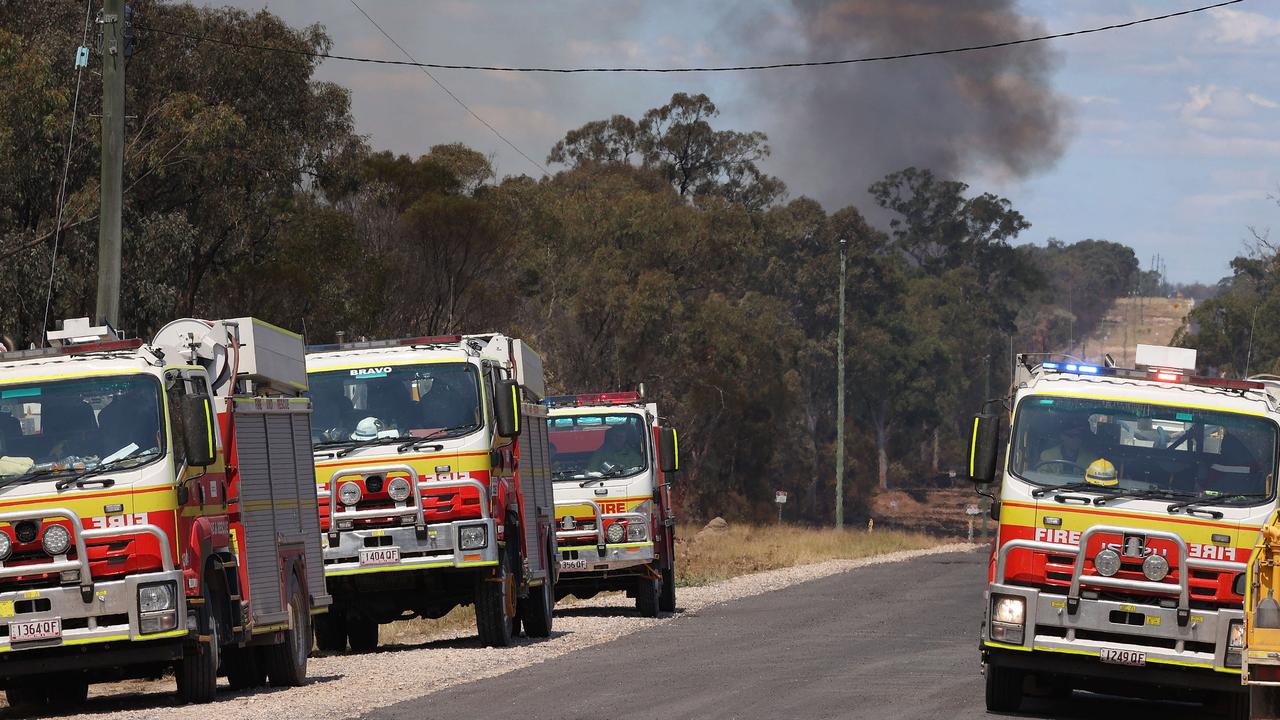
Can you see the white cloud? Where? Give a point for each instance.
(1262, 101)
(1211, 107)
(1097, 100)
(1236, 27)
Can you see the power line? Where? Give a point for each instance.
(81, 54)
(691, 69)
(449, 92)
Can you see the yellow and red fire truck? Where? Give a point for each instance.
(156, 509)
(435, 485)
(613, 464)
(1130, 504)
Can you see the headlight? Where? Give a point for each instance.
(1008, 609)
(1107, 562)
(156, 597)
(473, 537)
(349, 493)
(616, 533)
(398, 489)
(637, 532)
(26, 531)
(1235, 637)
(57, 540)
(1155, 567)
(6, 545)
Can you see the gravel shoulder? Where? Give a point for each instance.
(343, 686)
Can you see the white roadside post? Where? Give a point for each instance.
(780, 497)
(972, 511)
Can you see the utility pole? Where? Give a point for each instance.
(986, 395)
(113, 57)
(844, 246)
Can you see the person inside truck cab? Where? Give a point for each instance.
(621, 453)
(131, 418)
(1071, 456)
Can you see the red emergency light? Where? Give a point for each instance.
(432, 340)
(609, 398)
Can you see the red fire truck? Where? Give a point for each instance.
(613, 463)
(157, 510)
(435, 485)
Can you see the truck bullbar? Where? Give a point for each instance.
(1184, 567)
(78, 536)
(340, 515)
(598, 531)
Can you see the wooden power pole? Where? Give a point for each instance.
(111, 199)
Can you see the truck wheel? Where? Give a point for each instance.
(496, 619)
(197, 671)
(667, 600)
(1004, 689)
(647, 592)
(286, 662)
(331, 631)
(64, 694)
(243, 667)
(535, 611)
(363, 634)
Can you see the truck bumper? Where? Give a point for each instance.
(1060, 642)
(587, 560)
(109, 616)
(436, 546)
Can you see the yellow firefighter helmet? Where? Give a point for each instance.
(1102, 472)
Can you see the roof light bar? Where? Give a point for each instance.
(1163, 375)
(609, 398)
(396, 342)
(82, 349)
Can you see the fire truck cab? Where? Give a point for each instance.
(156, 510)
(435, 485)
(1130, 504)
(613, 463)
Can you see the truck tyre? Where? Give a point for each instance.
(667, 600)
(27, 693)
(363, 633)
(331, 631)
(69, 693)
(286, 662)
(243, 667)
(197, 671)
(535, 610)
(496, 619)
(647, 592)
(1004, 689)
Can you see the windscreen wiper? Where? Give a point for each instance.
(1215, 500)
(357, 444)
(1073, 487)
(415, 442)
(32, 475)
(103, 468)
(1145, 494)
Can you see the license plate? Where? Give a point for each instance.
(28, 630)
(573, 565)
(380, 556)
(1122, 657)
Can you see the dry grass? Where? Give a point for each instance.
(743, 549)
(740, 550)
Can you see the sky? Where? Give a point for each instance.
(1163, 136)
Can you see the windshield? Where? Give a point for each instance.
(1139, 446)
(592, 446)
(79, 424)
(396, 401)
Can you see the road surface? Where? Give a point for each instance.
(887, 641)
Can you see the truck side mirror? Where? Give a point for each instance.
(668, 450)
(506, 408)
(198, 434)
(984, 448)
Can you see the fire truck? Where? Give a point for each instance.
(613, 462)
(1129, 508)
(157, 510)
(434, 479)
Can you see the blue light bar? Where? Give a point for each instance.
(1049, 366)
(1089, 369)
(1077, 368)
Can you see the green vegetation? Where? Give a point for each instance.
(659, 252)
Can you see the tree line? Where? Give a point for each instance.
(660, 251)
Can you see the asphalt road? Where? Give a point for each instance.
(887, 641)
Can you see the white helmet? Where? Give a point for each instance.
(368, 429)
